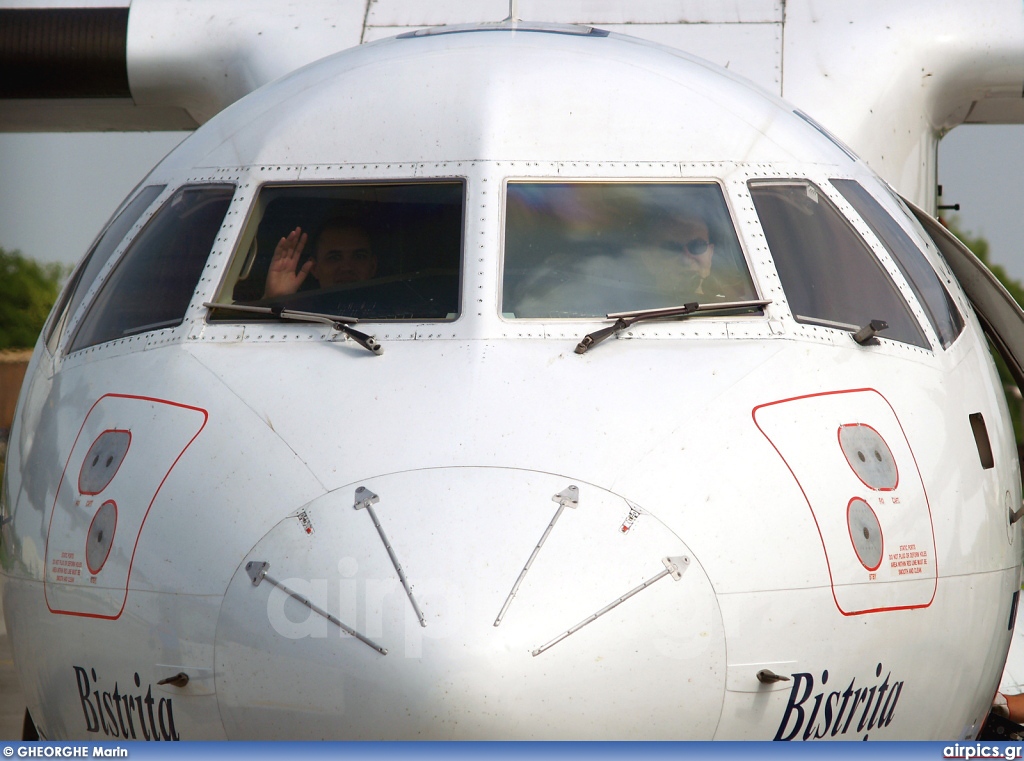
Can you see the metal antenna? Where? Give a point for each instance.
(568, 497)
(513, 11)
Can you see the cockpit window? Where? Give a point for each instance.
(93, 262)
(829, 274)
(382, 251)
(937, 303)
(587, 249)
(151, 286)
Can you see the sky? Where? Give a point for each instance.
(981, 167)
(58, 190)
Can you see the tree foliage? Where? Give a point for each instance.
(27, 292)
(979, 246)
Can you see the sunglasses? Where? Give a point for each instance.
(697, 246)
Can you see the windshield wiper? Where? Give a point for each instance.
(624, 319)
(338, 322)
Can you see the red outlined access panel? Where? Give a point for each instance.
(93, 526)
(804, 431)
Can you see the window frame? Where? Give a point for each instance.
(255, 212)
(877, 251)
(930, 319)
(61, 323)
(627, 180)
(150, 214)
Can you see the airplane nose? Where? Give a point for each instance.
(470, 603)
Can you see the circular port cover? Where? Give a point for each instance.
(101, 536)
(102, 461)
(869, 456)
(865, 533)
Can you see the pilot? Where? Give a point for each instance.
(343, 254)
(668, 266)
(678, 255)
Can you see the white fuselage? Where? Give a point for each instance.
(707, 454)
